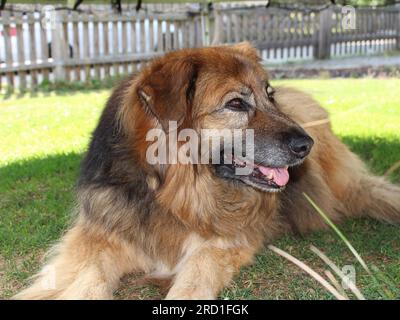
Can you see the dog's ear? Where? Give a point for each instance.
(167, 89)
(246, 49)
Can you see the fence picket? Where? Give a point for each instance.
(67, 51)
(75, 45)
(106, 39)
(20, 50)
(8, 48)
(32, 49)
(97, 45)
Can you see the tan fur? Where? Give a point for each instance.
(86, 264)
(345, 187)
(197, 230)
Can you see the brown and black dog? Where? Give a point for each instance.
(197, 224)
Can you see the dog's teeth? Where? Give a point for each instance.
(270, 176)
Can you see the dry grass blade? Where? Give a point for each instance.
(335, 283)
(339, 233)
(310, 271)
(315, 123)
(392, 169)
(383, 291)
(336, 269)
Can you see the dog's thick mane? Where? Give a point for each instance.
(118, 190)
(113, 188)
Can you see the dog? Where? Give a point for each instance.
(192, 224)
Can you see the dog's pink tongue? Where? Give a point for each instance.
(279, 175)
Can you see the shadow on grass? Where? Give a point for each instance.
(40, 169)
(37, 196)
(378, 153)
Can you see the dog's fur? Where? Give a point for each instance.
(184, 222)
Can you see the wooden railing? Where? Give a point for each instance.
(283, 35)
(82, 46)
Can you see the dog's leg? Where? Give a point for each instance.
(358, 191)
(87, 265)
(203, 274)
(374, 197)
(340, 184)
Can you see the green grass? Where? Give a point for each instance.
(41, 145)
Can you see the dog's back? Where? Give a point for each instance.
(333, 176)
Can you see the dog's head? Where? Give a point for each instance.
(225, 88)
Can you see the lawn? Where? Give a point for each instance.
(43, 139)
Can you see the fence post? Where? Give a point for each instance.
(205, 17)
(398, 29)
(58, 48)
(322, 48)
(216, 26)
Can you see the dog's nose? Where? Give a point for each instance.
(300, 145)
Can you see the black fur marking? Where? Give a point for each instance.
(191, 87)
(111, 164)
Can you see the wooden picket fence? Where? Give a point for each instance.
(79, 47)
(283, 35)
(71, 46)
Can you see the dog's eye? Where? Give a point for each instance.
(237, 104)
(270, 91)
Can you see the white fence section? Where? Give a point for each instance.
(71, 46)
